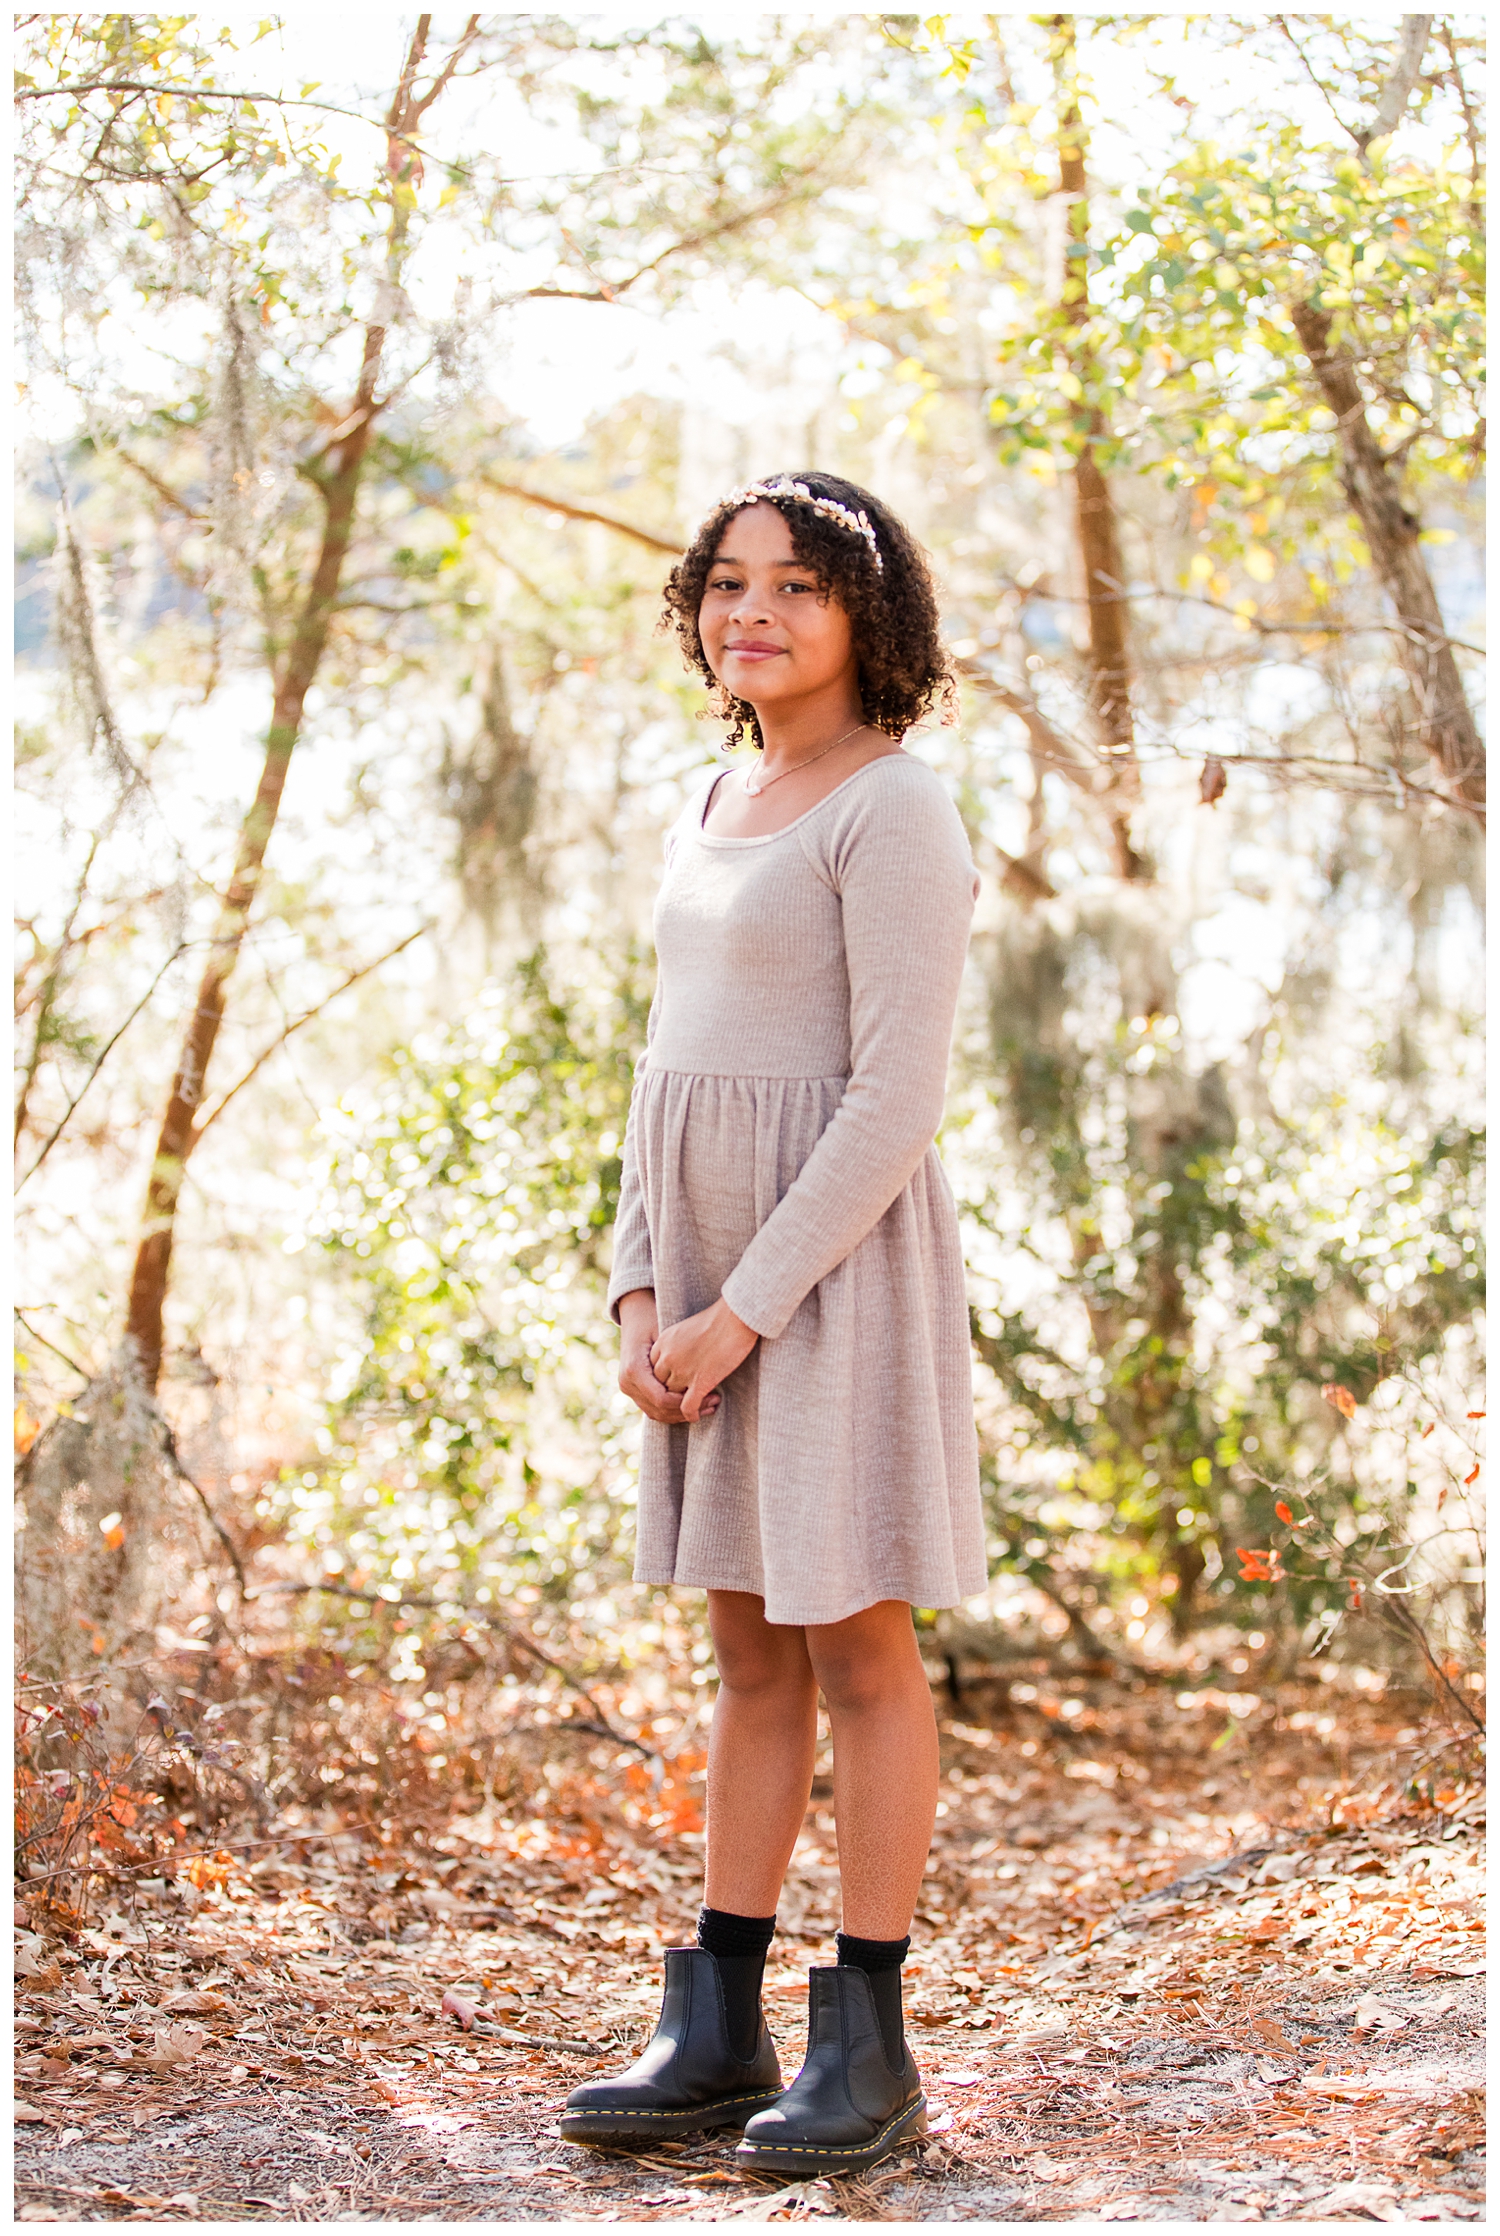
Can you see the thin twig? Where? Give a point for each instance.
(169, 1446)
(98, 1065)
(38, 1337)
(582, 512)
(296, 1025)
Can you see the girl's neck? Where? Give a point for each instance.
(793, 734)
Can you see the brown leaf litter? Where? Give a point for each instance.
(1138, 1992)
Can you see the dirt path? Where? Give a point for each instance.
(1153, 1981)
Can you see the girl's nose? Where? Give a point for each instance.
(751, 607)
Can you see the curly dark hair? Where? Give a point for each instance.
(892, 609)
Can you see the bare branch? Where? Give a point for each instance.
(1258, 626)
(568, 511)
(296, 1025)
(169, 1446)
(168, 496)
(52, 982)
(1343, 124)
(37, 1336)
(470, 34)
(98, 1065)
(1065, 754)
(1400, 85)
(1471, 123)
(611, 293)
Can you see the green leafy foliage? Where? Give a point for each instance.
(471, 1430)
(1200, 1279)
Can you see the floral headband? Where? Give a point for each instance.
(858, 523)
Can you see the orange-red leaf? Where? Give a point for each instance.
(1283, 1511)
(1336, 1395)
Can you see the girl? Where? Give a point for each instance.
(790, 1294)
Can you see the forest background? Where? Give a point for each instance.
(363, 413)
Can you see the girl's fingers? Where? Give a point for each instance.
(697, 1405)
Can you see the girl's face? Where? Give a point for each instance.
(769, 635)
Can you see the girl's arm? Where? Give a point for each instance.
(631, 1266)
(903, 871)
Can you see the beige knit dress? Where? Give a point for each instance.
(780, 1153)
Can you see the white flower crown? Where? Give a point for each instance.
(782, 485)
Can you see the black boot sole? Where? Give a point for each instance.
(836, 2158)
(648, 2124)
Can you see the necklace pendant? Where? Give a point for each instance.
(753, 790)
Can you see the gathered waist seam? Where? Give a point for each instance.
(756, 1078)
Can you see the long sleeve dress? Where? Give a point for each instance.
(780, 1153)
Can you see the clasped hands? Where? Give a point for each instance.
(674, 1375)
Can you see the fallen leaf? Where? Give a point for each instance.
(1047, 2169)
(193, 1999)
(173, 2046)
(1378, 2199)
(804, 2194)
(1368, 2014)
(1271, 2030)
(29, 2112)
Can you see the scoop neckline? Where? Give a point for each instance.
(765, 838)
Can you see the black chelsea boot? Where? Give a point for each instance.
(687, 2077)
(848, 2107)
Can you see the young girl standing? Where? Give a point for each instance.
(790, 1293)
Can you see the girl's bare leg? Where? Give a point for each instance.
(760, 1753)
(885, 1762)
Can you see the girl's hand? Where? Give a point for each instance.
(637, 1379)
(693, 1357)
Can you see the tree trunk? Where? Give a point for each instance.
(1445, 722)
(338, 486)
(175, 1143)
(1095, 520)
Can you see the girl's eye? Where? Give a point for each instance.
(724, 582)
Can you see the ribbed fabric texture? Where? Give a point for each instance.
(738, 1947)
(779, 1153)
(881, 1962)
(871, 1956)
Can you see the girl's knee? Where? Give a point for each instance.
(753, 1656)
(866, 1662)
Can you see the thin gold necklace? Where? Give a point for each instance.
(755, 790)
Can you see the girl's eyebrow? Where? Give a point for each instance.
(722, 559)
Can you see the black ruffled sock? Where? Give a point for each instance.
(738, 1946)
(881, 1962)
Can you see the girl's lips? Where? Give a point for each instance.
(752, 651)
